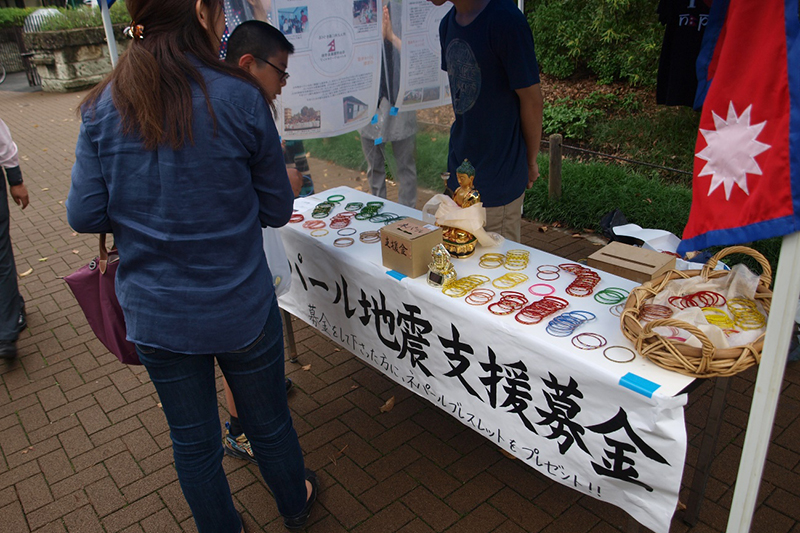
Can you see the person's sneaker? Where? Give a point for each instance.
(238, 447)
(289, 385)
(8, 349)
(299, 522)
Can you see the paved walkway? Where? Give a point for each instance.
(85, 446)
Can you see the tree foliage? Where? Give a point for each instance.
(614, 39)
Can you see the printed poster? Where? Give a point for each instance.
(333, 87)
(423, 83)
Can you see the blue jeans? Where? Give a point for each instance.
(187, 388)
(10, 299)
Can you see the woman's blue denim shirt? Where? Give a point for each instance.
(192, 276)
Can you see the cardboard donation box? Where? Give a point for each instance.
(630, 262)
(406, 246)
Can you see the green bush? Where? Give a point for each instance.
(14, 17)
(569, 118)
(614, 39)
(577, 119)
(86, 17)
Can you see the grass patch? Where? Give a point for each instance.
(345, 150)
(590, 190)
(665, 137)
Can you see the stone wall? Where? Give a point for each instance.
(72, 60)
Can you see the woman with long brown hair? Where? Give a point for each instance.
(178, 156)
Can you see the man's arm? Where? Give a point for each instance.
(296, 179)
(530, 111)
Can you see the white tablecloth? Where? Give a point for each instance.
(614, 431)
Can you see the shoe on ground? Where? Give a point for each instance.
(22, 322)
(238, 447)
(8, 349)
(289, 384)
(299, 522)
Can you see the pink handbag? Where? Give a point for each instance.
(93, 287)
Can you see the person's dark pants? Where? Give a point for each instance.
(10, 299)
(295, 153)
(186, 386)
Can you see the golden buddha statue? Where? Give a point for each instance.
(461, 243)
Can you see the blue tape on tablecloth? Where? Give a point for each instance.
(645, 387)
(397, 275)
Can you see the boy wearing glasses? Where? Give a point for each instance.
(263, 51)
(489, 57)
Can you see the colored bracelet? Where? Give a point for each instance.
(385, 218)
(585, 279)
(492, 260)
(322, 210)
(370, 237)
(565, 324)
(335, 198)
(319, 233)
(349, 231)
(461, 286)
(580, 341)
(511, 279)
(650, 312)
(517, 259)
(538, 310)
(480, 296)
(343, 242)
(552, 289)
(620, 360)
(698, 299)
(746, 314)
(313, 224)
(611, 296)
(617, 310)
(339, 222)
(295, 218)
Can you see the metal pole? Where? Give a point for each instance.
(112, 42)
(768, 386)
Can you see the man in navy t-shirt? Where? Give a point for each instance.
(488, 53)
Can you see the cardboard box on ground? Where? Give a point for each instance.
(630, 262)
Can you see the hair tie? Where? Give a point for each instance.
(134, 31)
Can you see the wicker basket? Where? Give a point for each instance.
(707, 361)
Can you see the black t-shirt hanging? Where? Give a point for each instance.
(685, 22)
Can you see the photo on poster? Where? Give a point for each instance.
(293, 20)
(354, 109)
(418, 96)
(307, 119)
(365, 12)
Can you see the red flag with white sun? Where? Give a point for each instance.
(746, 183)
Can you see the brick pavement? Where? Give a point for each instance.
(85, 447)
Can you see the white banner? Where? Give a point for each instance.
(612, 430)
(423, 83)
(333, 88)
